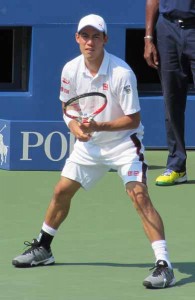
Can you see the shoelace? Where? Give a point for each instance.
(158, 270)
(33, 245)
(167, 172)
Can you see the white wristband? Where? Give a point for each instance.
(66, 119)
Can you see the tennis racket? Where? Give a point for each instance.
(85, 107)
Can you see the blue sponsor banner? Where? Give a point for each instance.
(34, 145)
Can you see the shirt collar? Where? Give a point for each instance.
(104, 65)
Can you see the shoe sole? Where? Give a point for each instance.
(177, 181)
(149, 285)
(46, 262)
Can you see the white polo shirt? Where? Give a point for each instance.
(116, 80)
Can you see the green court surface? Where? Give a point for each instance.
(101, 251)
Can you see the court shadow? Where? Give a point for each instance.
(176, 184)
(154, 167)
(190, 182)
(187, 268)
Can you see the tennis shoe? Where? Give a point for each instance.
(170, 177)
(161, 277)
(36, 255)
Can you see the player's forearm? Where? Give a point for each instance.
(152, 10)
(123, 123)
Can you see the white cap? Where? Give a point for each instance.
(94, 21)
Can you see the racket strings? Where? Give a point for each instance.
(85, 107)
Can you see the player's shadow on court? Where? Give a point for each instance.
(187, 268)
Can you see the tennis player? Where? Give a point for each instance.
(112, 142)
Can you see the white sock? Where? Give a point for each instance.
(46, 229)
(161, 252)
(49, 229)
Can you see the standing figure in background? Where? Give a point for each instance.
(174, 57)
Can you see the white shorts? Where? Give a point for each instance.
(88, 162)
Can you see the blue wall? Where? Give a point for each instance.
(36, 114)
(54, 24)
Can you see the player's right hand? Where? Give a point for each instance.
(77, 131)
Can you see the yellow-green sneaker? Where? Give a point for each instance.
(170, 177)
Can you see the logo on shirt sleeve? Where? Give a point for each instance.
(63, 90)
(66, 81)
(127, 89)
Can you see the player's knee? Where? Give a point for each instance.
(64, 192)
